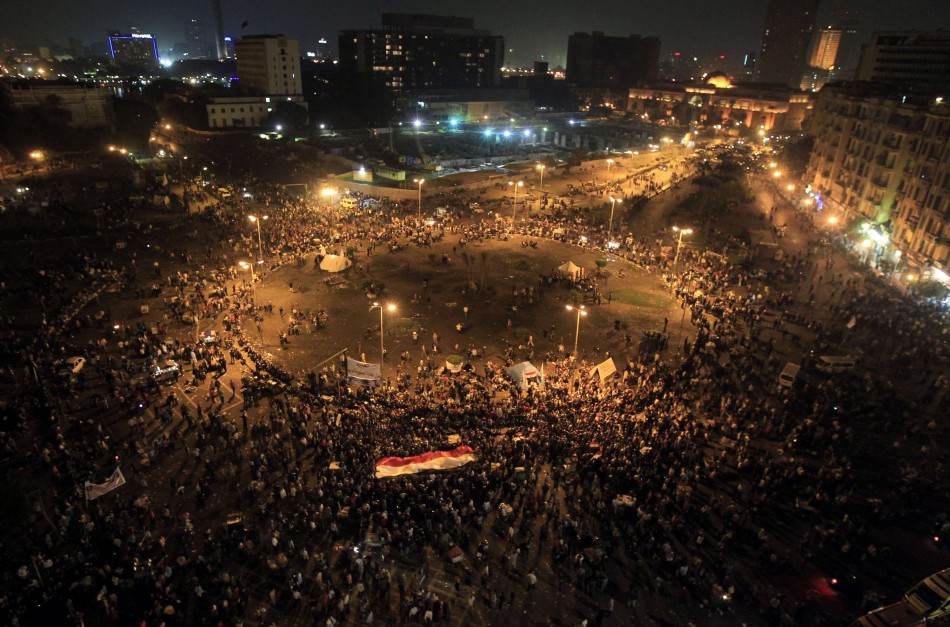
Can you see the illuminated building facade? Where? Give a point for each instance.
(418, 52)
(883, 159)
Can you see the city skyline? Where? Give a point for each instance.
(532, 30)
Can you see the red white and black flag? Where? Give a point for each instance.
(433, 460)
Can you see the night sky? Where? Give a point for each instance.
(531, 28)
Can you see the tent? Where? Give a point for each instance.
(335, 263)
(526, 375)
(604, 369)
(571, 271)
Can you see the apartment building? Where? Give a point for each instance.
(881, 163)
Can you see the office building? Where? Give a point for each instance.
(268, 68)
(822, 59)
(269, 65)
(418, 52)
(788, 32)
(880, 167)
(824, 51)
(197, 42)
(600, 61)
(916, 59)
(135, 49)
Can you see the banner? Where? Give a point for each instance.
(362, 373)
(95, 490)
(434, 460)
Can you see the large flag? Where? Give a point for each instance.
(362, 373)
(434, 460)
(95, 490)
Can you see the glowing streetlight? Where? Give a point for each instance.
(540, 168)
(514, 206)
(790, 187)
(382, 347)
(36, 155)
(610, 162)
(419, 182)
(777, 173)
(613, 204)
(249, 266)
(168, 127)
(679, 242)
(581, 311)
(260, 244)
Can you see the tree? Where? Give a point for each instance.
(287, 114)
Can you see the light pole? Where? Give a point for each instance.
(613, 204)
(581, 311)
(250, 266)
(260, 244)
(514, 206)
(382, 347)
(420, 182)
(679, 242)
(540, 167)
(610, 162)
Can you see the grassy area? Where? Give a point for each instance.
(402, 326)
(640, 299)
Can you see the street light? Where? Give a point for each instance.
(679, 242)
(420, 182)
(382, 347)
(250, 266)
(540, 167)
(514, 206)
(581, 311)
(260, 244)
(610, 162)
(613, 203)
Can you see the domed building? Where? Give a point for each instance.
(719, 80)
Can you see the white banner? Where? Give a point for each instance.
(95, 490)
(362, 373)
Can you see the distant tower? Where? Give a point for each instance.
(218, 29)
(788, 32)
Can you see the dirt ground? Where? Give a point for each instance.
(638, 301)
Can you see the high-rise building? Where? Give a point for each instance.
(824, 51)
(821, 59)
(881, 159)
(139, 49)
(197, 41)
(788, 30)
(597, 60)
(917, 59)
(413, 52)
(218, 29)
(269, 65)
(849, 48)
(268, 68)
(229, 52)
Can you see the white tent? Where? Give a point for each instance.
(571, 271)
(525, 375)
(335, 263)
(604, 369)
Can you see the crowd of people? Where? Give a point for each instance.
(688, 481)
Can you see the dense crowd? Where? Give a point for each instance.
(675, 479)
